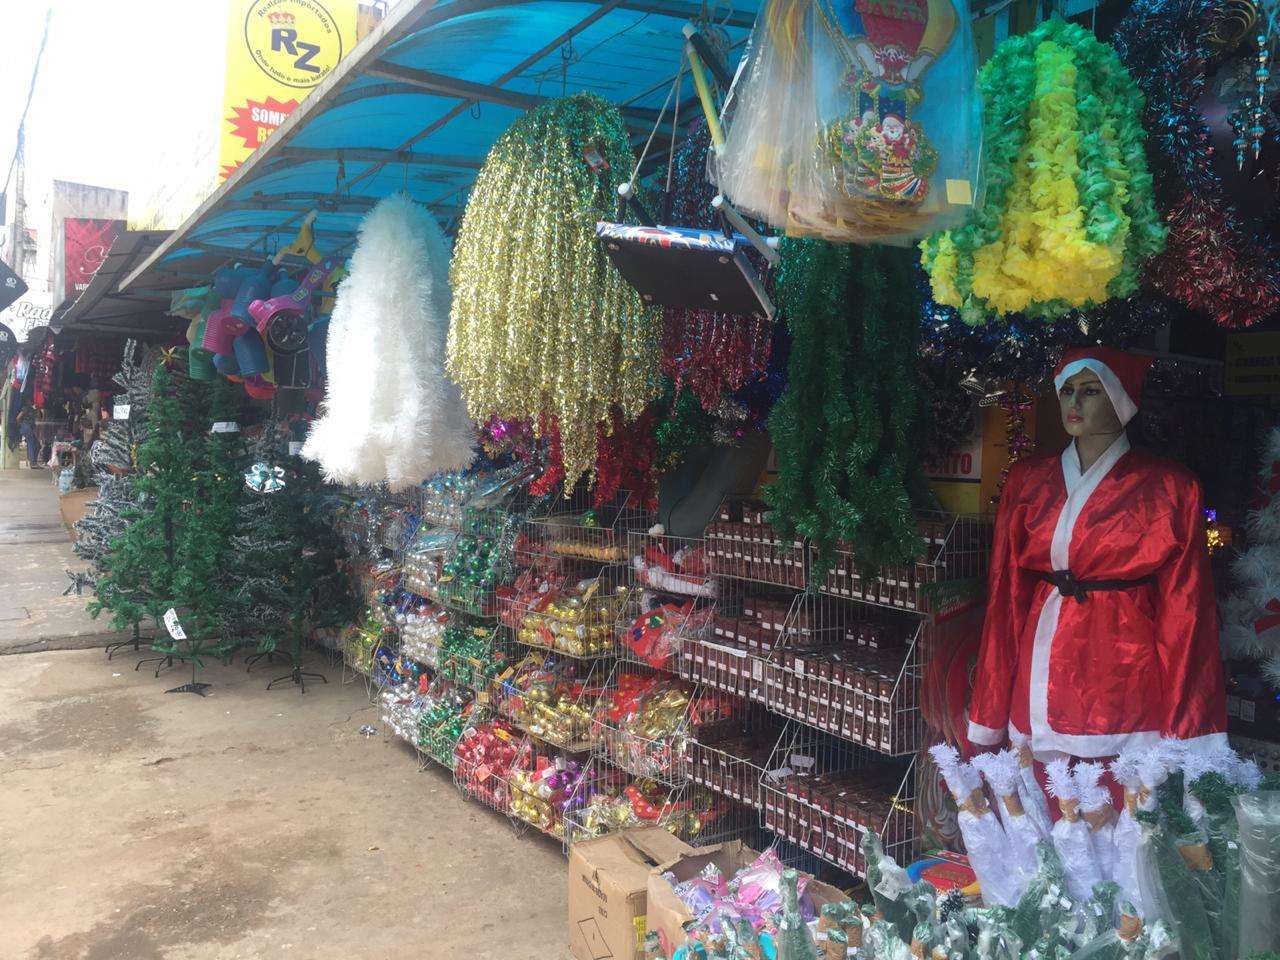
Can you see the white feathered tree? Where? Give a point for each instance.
(390, 414)
(1251, 612)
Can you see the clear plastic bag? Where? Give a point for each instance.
(855, 121)
(1259, 818)
(1171, 894)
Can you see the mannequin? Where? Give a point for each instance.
(1101, 629)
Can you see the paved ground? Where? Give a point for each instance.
(140, 825)
(35, 553)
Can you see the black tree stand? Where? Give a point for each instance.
(136, 642)
(297, 675)
(193, 686)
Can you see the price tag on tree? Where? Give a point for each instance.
(225, 426)
(120, 411)
(295, 447)
(173, 626)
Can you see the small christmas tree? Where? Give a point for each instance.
(205, 540)
(139, 565)
(1251, 613)
(111, 459)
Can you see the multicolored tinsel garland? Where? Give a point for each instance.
(542, 324)
(705, 352)
(1212, 263)
(843, 429)
(1068, 217)
(1026, 349)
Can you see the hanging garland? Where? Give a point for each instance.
(842, 430)
(1211, 262)
(705, 352)
(1068, 217)
(541, 323)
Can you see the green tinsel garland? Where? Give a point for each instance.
(842, 429)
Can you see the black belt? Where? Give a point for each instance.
(1069, 586)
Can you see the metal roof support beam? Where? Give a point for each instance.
(690, 11)
(372, 155)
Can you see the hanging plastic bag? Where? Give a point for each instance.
(1127, 832)
(1071, 833)
(984, 839)
(1001, 772)
(1259, 817)
(854, 121)
(1033, 798)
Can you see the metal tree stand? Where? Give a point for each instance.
(136, 641)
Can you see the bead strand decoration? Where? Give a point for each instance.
(1068, 217)
(542, 324)
(1211, 262)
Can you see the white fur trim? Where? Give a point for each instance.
(986, 736)
(390, 413)
(1120, 399)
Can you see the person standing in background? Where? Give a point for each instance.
(26, 421)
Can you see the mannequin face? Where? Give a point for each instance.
(1086, 408)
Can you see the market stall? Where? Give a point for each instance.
(755, 454)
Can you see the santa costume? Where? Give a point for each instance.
(1101, 631)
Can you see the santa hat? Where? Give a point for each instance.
(1122, 375)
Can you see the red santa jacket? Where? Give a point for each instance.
(1119, 668)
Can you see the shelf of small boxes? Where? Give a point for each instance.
(833, 666)
(953, 548)
(741, 543)
(731, 757)
(824, 795)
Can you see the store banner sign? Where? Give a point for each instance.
(12, 286)
(86, 244)
(277, 52)
(1253, 365)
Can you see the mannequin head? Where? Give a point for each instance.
(1087, 411)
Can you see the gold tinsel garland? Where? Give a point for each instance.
(542, 323)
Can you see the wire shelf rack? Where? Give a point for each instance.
(547, 789)
(823, 795)
(553, 606)
(954, 550)
(552, 699)
(485, 756)
(574, 528)
(613, 800)
(742, 544)
(476, 561)
(731, 758)
(421, 632)
(645, 721)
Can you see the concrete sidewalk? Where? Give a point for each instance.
(35, 553)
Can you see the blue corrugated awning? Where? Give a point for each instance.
(418, 104)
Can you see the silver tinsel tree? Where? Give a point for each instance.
(111, 458)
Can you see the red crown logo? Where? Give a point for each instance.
(281, 17)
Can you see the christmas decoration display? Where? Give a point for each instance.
(390, 414)
(542, 324)
(552, 699)
(1251, 612)
(1213, 261)
(843, 474)
(847, 122)
(1068, 218)
(984, 838)
(1037, 671)
(111, 458)
(673, 569)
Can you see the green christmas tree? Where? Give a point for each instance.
(204, 541)
(139, 566)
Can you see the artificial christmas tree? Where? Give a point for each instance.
(1251, 614)
(111, 461)
(204, 541)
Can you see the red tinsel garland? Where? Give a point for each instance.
(1210, 265)
(553, 476)
(713, 353)
(626, 460)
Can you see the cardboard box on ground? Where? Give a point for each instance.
(608, 884)
(668, 915)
